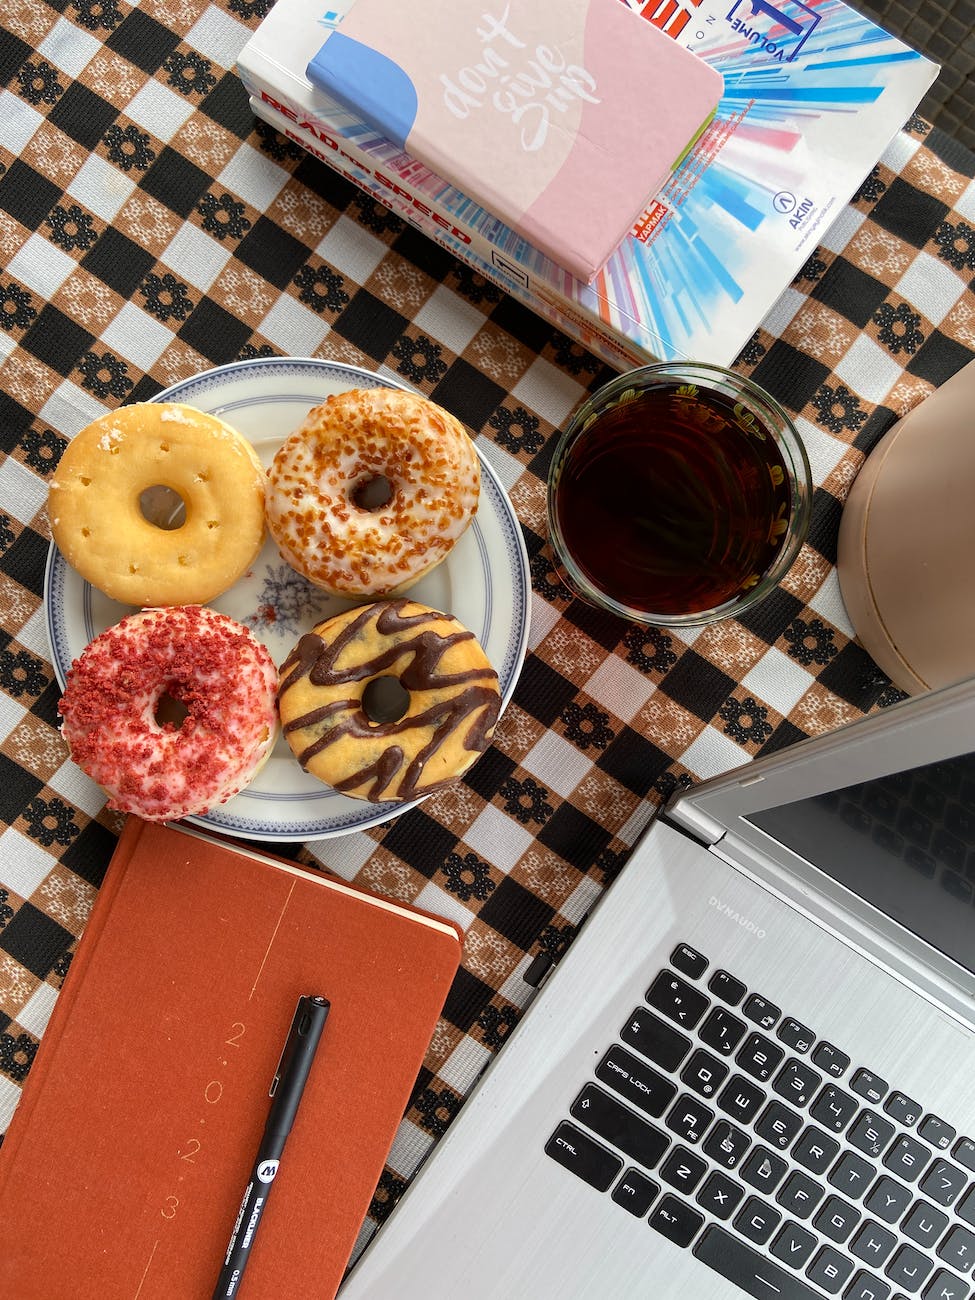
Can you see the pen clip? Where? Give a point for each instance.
(300, 1025)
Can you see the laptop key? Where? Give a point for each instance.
(795, 1035)
(830, 1059)
(793, 1245)
(636, 1081)
(655, 1040)
(609, 1119)
(829, 1269)
(936, 1131)
(757, 1220)
(688, 1118)
(888, 1200)
(869, 1085)
(873, 1244)
(907, 1158)
(704, 1073)
(688, 961)
(741, 1099)
(870, 1134)
(635, 1192)
(943, 1182)
(837, 1219)
(763, 1169)
(677, 999)
(924, 1224)
(902, 1108)
(966, 1206)
(675, 1220)
(958, 1249)
(755, 1274)
(720, 1195)
(726, 1144)
(761, 1011)
(834, 1108)
(964, 1153)
(852, 1175)
(577, 1152)
(778, 1125)
(722, 1031)
(815, 1150)
(683, 1170)
(945, 1286)
(759, 1057)
(797, 1082)
(865, 1286)
(726, 987)
(800, 1194)
(908, 1268)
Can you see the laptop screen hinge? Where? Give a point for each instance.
(685, 816)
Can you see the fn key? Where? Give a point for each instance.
(755, 1274)
(577, 1151)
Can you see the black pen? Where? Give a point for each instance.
(286, 1089)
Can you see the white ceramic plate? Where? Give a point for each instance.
(484, 583)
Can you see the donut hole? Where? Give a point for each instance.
(385, 699)
(170, 710)
(163, 507)
(372, 493)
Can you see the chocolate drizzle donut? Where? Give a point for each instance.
(388, 701)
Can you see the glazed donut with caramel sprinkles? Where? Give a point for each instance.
(96, 504)
(438, 715)
(372, 491)
(198, 661)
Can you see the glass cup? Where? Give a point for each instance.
(679, 494)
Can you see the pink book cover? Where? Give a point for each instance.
(561, 117)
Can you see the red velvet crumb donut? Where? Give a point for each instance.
(195, 660)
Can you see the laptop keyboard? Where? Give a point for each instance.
(739, 1134)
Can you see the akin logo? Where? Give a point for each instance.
(736, 916)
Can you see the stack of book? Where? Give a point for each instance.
(532, 118)
(812, 94)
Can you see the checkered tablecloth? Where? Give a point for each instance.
(149, 229)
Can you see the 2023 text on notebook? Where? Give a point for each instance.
(122, 1169)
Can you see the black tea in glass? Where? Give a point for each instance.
(673, 500)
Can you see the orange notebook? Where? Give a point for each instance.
(126, 1160)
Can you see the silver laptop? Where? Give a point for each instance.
(753, 1073)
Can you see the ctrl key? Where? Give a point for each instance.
(576, 1151)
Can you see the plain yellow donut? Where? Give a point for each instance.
(96, 511)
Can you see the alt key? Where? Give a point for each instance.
(676, 1221)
